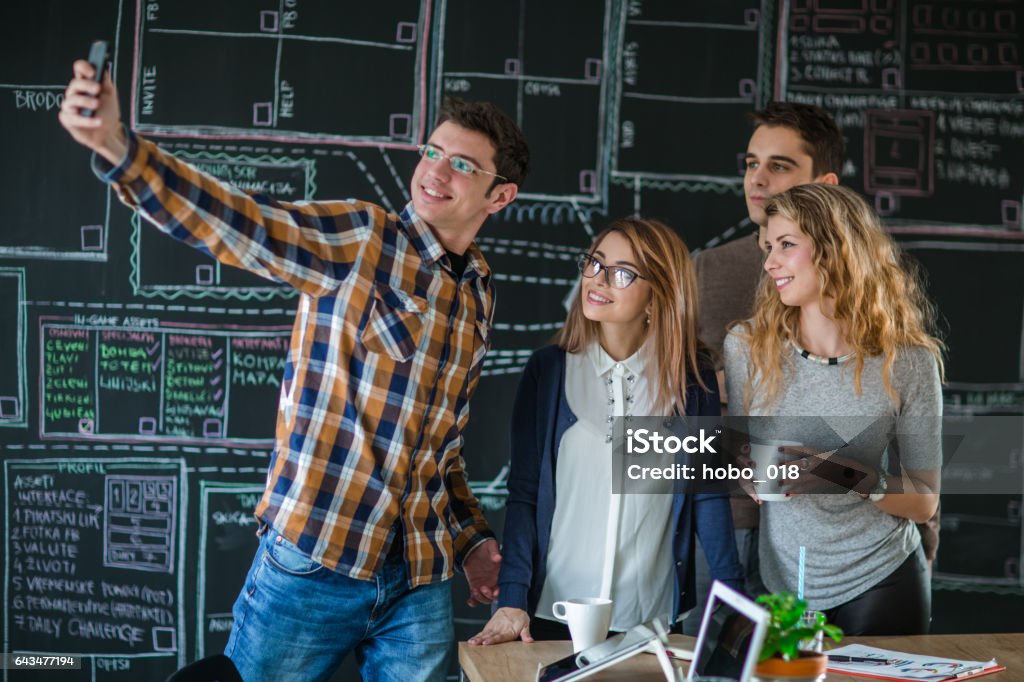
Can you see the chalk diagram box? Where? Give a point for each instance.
(41, 192)
(48, 183)
(130, 366)
(555, 89)
(955, 131)
(300, 73)
(162, 267)
(125, 531)
(899, 152)
(13, 381)
(964, 47)
(226, 527)
(138, 530)
(715, 211)
(961, 559)
(680, 123)
(841, 46)
(986, 272)
(171, 385)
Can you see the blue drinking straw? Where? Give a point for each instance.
(800, 575)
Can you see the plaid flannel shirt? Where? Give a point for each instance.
(385, 353)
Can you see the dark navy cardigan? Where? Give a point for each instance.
(540, 417)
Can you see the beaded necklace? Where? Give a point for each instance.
(818, 358)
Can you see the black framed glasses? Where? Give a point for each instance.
(614, 276)
(458, 164)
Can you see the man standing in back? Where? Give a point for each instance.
(792, 144)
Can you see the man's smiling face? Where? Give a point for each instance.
(449, 201)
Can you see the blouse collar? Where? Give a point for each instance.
(604, 363)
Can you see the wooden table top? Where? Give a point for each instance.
(517, 662)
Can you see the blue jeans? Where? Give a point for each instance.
(297, 620)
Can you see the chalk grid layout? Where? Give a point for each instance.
(207, 619)
(265, 39)
(168, 384)
(163, 497)
(85, 239)
(14, 388)
(523, 89)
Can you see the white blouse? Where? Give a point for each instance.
(597, 388)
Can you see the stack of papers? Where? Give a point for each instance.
(882, 664)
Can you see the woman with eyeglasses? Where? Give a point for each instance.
(628, 348)
(839, 358)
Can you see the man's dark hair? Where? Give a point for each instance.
(511, 155)
(825, 144)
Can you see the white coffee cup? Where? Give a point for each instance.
(588, 620)
(765, 453)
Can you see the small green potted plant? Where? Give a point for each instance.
(781, 656)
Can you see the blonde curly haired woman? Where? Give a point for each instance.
(840, 341)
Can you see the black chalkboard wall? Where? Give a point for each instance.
(138, 378)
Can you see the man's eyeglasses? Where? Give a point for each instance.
(458, 164)
(614, 276)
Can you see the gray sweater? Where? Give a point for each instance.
(850, 544)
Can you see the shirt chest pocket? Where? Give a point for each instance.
(395, 323)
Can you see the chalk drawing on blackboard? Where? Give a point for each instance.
(13, 379)
(94, 237)
(553, 88)
(992, 299)
(505, 361)
(400, 183)
(161, 268)
(139, 522)
(227, 539)
(22, 238)
(931, 101)
(493, 493)
(511, 360)
(677, 124)
(169, 384)
(899, 152)
(745, 225)
(34, 89)
(976, 39)
(531, 249)
(282, 98)
(549, 213)
(1013, 217)
(66, 591)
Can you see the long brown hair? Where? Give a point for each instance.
(665, 262)
(880, 304)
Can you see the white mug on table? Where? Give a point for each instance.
(588, 620)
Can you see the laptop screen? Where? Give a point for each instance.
(727, 641)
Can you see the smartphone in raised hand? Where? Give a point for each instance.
(99, 57)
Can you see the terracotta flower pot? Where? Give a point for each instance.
(809, 666)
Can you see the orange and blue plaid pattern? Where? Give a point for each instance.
(386, 351)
